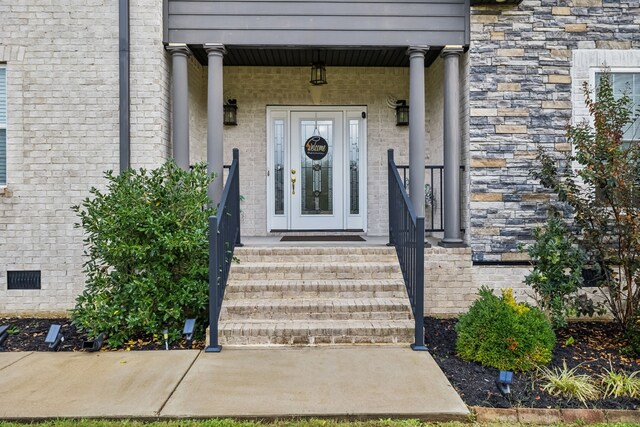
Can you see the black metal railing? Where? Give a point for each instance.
(406, 233)
(224, 236)
(433, 193)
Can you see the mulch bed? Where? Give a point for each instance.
(28, 334)
(594, 348)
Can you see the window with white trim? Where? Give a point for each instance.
(621, 64)
(3, 125)
(627, 83)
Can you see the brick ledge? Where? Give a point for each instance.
(552, 416)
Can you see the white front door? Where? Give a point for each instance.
(316, 185)
(316, 175)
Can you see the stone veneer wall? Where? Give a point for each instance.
(62, 133)
(520, 92)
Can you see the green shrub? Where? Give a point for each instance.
(557, 270)
(498, 332)
(147, 248)
(632, 337)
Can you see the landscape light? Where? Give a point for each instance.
(165, 335)
(505, 379)
(54, 337)
(94, 345)
(187, 332)
(4, 334)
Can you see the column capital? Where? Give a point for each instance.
(214, 48)
(452, 50)
(418, 50)
(178, 49)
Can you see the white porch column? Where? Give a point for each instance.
(417, 132)
(180, 103)
(215, 126)
(452, 141)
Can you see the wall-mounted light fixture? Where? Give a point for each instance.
(4, 334)
(318, 74)
(231, 112)
(402, 113)
(54, 337)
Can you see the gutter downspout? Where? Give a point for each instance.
(125, 112)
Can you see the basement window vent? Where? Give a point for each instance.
(23, 279)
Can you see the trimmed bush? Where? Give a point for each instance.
(146, 240)
(501, 333)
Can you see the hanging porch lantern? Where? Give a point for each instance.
(231, 112)
(318, 74)
(402, 113)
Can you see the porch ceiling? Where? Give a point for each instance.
(283, 57)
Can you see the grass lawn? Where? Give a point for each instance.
(283, 423)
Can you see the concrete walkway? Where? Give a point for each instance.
(376, 382)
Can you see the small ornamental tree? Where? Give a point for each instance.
(600, 181)
(146, 240)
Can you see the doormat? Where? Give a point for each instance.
(322, 239)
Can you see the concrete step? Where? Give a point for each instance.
(315, 332)
(322, 270)
(311, 288)
(317, 309)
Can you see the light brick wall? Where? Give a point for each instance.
(62, 133)
(150, 86)
(257, 87)
(452, 281)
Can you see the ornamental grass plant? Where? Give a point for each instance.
(620, 383)
(569, 384)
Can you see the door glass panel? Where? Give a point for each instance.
(354, 166)
(278, 165)
(316, 176)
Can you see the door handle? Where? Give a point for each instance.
(293, 181)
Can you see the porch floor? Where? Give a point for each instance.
(343, 382)
(274, 240)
